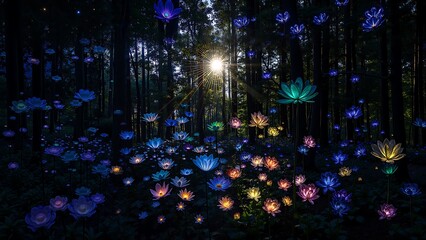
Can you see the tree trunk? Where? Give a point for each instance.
(324, 86)
(384, 83)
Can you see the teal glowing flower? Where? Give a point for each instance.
(216, 126)
(295, 92)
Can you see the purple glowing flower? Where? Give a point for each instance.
(166, 12)
(386, 211)
(59, 203)
(328, 181)
(40, 216)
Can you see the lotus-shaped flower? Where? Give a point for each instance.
(82, 207)
(166, 12)
(41, 216)
(84, 95)
(387, 151)
(295, 92)
(258, 120)
(206, 162)
(308, 193)
(271, 206)
(160, 191)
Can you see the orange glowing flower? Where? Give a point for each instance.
(287, 201)
(234, 173)
(186, 195)
(262, 177)
(271, 206)
(116, 170)
(284, 184)
(226, 203)
(271, 163)
(237, 216)
(258, 120)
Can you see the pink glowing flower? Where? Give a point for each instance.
(300, 179)
(308, 192)
(386, 211)
(235, 123)
(309, 141)
(284, 184)
(160, 191)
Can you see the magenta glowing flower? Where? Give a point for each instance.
(308, 192)
(235, 123)
(386, 211)
(160, 191)
(309, 142)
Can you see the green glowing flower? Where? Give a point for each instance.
(389, 169)
(295, 92)
(216, 126)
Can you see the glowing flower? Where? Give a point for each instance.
(284, 184)
(374, 18)
(235, 123)
(328, 181)
(116, 170)
(308, 192)
(273, 132)
(353, 112)
(309, 142)
(137, 159)
(180, 136)
(215, 126)
(339, 157)
(59, 203)
(339, 208)
(166, 12)
(271, 206)
(170, 123)
(386, 211)
(225, 203)
(84, 95)
(271, 163)
(199, 219)
(34, 103)
(54, 150)
(320, 19)
(182, 120)
(186, 195)
(345, 171)
(300, 179)
(150, 117)
(160, 191)
(262, 177)
(410, 189)
(387, 151)
(199, 149)
(40, 217)
(341, 3)
(128, 181)
(166, 163)
(389, 169)
(237, 216)
(219, 183)
(258, 120)
(154, 143)
(297, 30)
(287, 201)
(234, 173)
(82, 207)
(257, 161)
(180, 182)
(206, 162)
(241, 22)
(186, 171)
(253, 193)
(295, 92)
(161, 219)
(126, 135)
(342, 195)
(180, 206)
(19, 106)
(161, 175)
(282, 17)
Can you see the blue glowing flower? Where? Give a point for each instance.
(142, 215)
(355, 78)
(98, 198)
(180, 182)
(374, 18)
(189, 114)
(186, 171)
(83, 191)
(209, 139)
(339, 208)
(353, 112)
(341, 3)
(297, 30)
(297, 92)
(84, 95)
(251, 54)
(339, 158)
(302, 149)
(328, 181)
(154, 143)
(126, 135)
(36, 103)
(206, 162)
(82, 207)
(88, 156)
(19, 106)
(266, 75)
(182, 120)
(54, 150)
(166, 163)
(333, 72)
(219, 183)
(40, 217)
(342, 195)
(101, 169)
(282, 17)
(240, 22)
(150, 117)
(360, 151)
(180, 136)
(419, 123)
(128, 181)
(161, 175)
(59, 203)
(166, 12)
(320, 19)
(170, 123)
(410, 189)
(75, 103)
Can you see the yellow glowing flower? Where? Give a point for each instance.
(387, 151)
(225, 203)
(237, 216)
(116, 170)
(258, 120)
(257, 161)
(253, 193)
(180, 206)
(287, 201)
(280, 128)
(271, 163)
(345, 172)
(269, 182)
(186, 195)
(261, 136)
(271, 206)
(273, 132)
